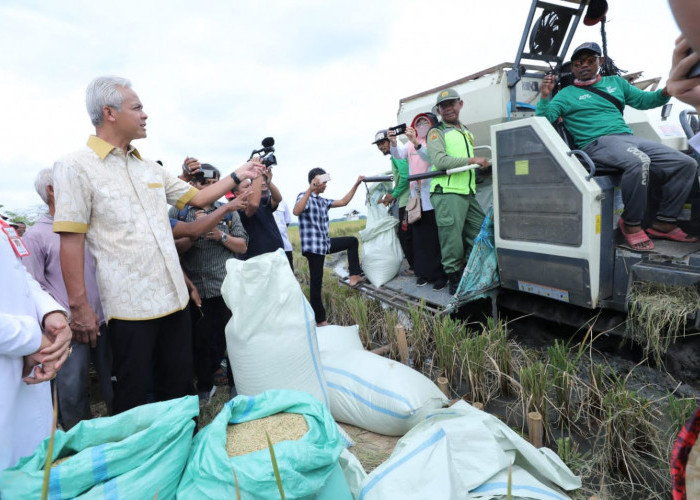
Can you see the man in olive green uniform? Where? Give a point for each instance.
(457, 212)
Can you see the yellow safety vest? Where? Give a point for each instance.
(458, 143)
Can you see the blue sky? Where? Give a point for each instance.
(216, 77)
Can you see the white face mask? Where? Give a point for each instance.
(422, 129)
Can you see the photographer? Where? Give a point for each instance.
(384, 139)
(312, 210)
(426, 245)
(258, 219)
(592, 110)
(205, 264)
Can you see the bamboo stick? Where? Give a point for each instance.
(535, 429)
(402, 343)
(443, 383)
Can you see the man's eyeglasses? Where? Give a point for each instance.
(588, 60)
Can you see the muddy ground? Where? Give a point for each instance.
(621, 355)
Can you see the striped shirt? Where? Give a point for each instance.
(205, 262)
(314, 225)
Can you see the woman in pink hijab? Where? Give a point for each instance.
(426, 246)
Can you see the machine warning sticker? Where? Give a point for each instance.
(597, 224)
(522, 167)
(543, 291)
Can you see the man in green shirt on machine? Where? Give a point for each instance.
(592, 110)
(457, 212)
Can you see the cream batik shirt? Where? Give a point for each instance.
(120, 203)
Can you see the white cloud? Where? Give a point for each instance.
(216, 77)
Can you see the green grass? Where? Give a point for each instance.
(563, 372)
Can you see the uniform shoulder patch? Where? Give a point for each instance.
(433, 136)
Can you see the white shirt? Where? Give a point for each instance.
(283, 217)
(25, 410)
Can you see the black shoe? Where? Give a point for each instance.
(454, 279)
(439, 285)
(421, 282)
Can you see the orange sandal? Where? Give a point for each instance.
(676, 235)
(638, 242)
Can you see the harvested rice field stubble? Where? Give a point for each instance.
(248, 437)
(611, 413)
(657, 314)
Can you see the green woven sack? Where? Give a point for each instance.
(136, 454)
(308, 467)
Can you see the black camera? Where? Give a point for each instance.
(398, 129)
(266, 153)
(269, 160)
(206, 172)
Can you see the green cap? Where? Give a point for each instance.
(446, 95)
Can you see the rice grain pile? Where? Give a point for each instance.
(59, 461)
(248, 437)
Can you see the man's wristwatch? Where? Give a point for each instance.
(224, 237)
(235, 178)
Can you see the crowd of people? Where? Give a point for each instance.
(115, 278)
(112, 276)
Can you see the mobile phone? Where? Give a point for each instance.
(324, 177)
(399, 129)
(695, 70)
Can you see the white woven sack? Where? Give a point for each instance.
(339, 338)
(376, 393)
(271, 337)
(381, 250)
(461, 452)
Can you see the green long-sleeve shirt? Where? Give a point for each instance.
(399, 168)
(588, 116)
